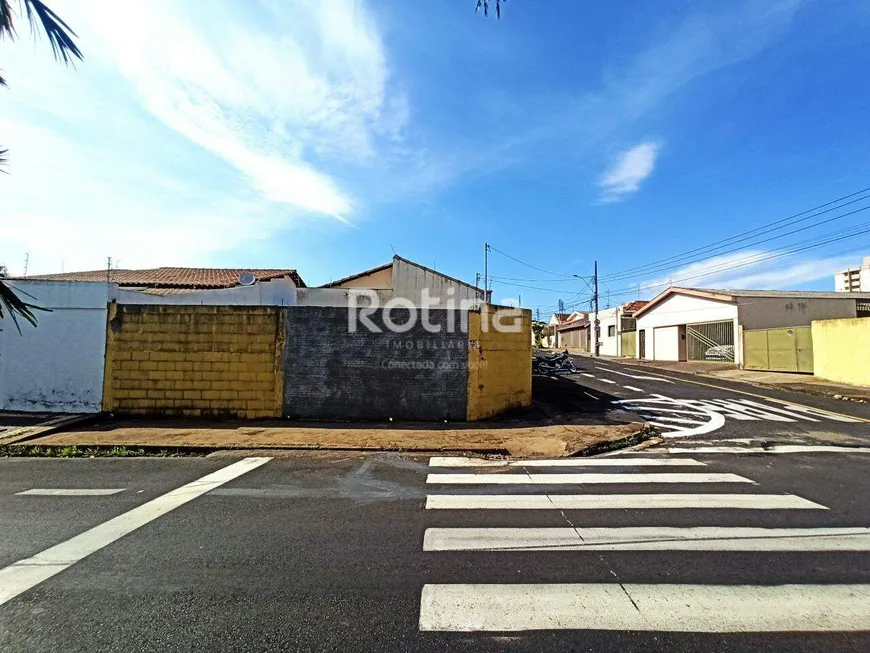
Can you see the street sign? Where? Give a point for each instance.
(597, 322)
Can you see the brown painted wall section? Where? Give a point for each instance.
(194, 361)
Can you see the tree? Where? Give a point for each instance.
(60, 36)
(538, 328)
(485, 5)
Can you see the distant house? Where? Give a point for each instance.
(705, 324)
(573, 332)
(398, 279)
(618, 325)
(174, 285)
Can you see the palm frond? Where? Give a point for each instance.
(6, 26)
(485, 5)
(15, 307)
(59, 34)
(4, 159)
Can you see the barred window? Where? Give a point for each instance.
(862, 307)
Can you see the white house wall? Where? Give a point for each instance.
(277, 292)
(58, 365)
(609, 344)
(677, 310)
(340, 296)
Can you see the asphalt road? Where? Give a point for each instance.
(691, 410)
(325, 552)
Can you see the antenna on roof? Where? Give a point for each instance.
(394, 249)
(247, 279)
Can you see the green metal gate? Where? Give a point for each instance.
(710, 341)
(778, 350)
(629, 343)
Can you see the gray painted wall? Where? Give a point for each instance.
(773, 312)
(331, 373)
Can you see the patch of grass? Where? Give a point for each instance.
(75, 451)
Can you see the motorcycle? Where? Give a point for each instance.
(554, 364)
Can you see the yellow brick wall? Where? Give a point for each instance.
(841, 350)
(499, 362)
(194, 361)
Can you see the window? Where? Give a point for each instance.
(611, 331)
(862, 307)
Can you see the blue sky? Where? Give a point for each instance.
(323, 135)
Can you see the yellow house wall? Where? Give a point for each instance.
(380, 280)
(194, 361)
(841, 349)
(499, 362)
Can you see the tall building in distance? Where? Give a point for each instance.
(854, 279)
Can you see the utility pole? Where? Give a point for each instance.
(595, 324)
(108, 269)
(485, 271)
(26, 262)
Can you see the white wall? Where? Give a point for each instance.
(338, 296)
(277, 292)
(666, 343)
(609, 318)
(58, 365)
(683, 309)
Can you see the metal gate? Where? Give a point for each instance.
(629, 343)
(710, 341)
(778, 350)
(642, 343)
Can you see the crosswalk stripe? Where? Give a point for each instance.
(462, 461)
(69, 492)
(637, 607)
(654, 538)
(581, 479)
(618, 502)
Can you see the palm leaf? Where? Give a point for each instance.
(6, 19)
(15, 307)
(59, 34)
(4, 159)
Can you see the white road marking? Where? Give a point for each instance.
(777, 448)
(652, 538)
(618, 502)
(461, 461)
(589, 394)
(653, 607)
(581, 479)
(821, 413)
(631, 387)
(71, 492)
(606, 381)
(22, 575)
(678, 420)
(591, 376)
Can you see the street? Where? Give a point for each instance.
(696, 411)
(384, 552)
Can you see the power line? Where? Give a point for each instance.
(529, 265)
(679, 259)
(786, 252)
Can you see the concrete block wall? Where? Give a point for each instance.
(499, 361)
(194, 361)
(332, 372)
(841, 350)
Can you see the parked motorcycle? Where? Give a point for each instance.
(557, 363)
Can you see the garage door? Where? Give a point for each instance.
(778, 350)
(666, 343)
(710, 341)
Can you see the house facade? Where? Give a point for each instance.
(702, 324)
(617, 329)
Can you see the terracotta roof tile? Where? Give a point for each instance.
(173, 277)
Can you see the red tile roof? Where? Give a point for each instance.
(173, 277)
(631, 307)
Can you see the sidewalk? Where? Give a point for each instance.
(552, 440)
(806, 383)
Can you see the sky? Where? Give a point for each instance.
(325, 135)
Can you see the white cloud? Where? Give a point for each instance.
(137, 152)
(749, 269)
(627, 173)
